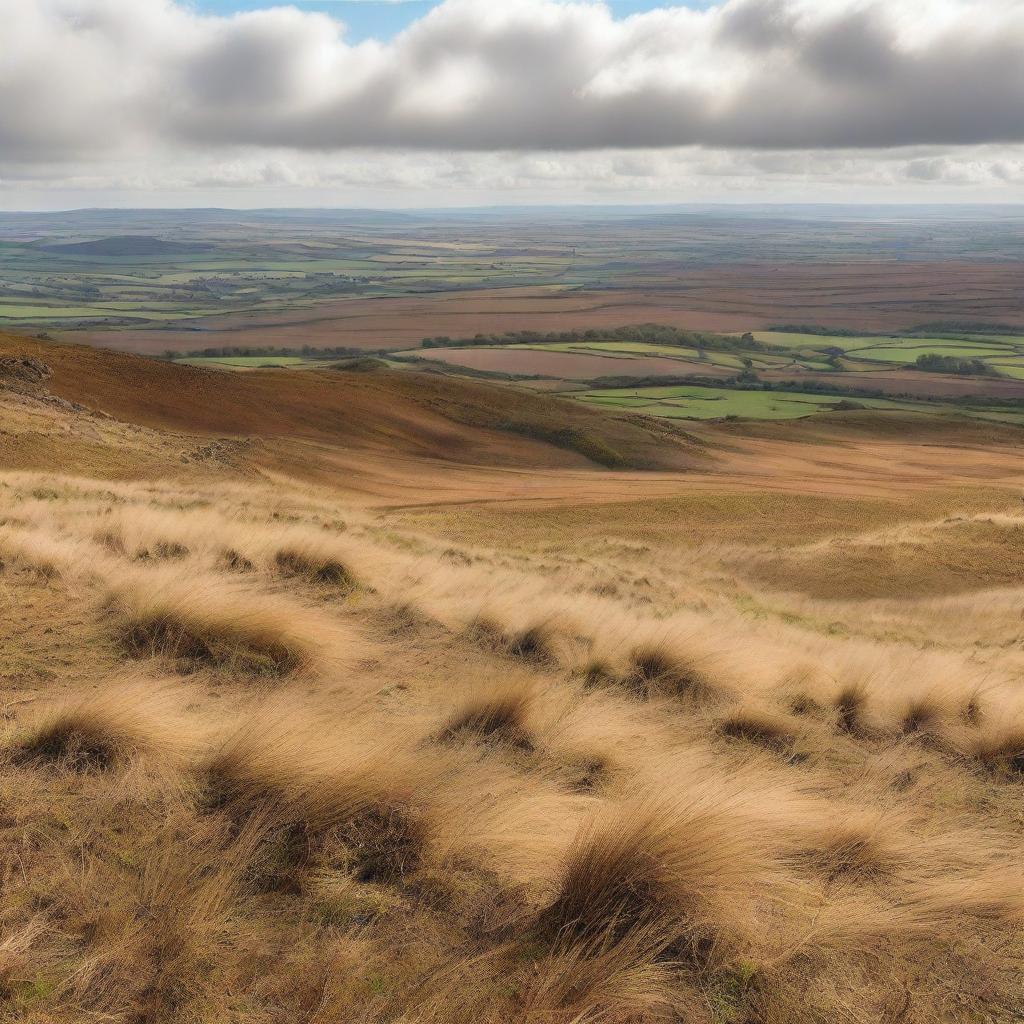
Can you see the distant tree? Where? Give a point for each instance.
(934, 363)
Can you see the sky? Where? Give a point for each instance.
(383, 19)
(488, 102)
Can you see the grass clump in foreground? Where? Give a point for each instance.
(1000, 748)
(327, 570)
(101, 730)
(204, 623)
(761, 726)
(351, 807)
(499, 715)
(675, 877)
(663, 669)
(539, 641)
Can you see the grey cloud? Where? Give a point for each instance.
(83, 79)
(757, 24)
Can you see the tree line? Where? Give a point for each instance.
(650, 334)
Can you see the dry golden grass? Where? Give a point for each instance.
(377, 774)
(500, 714)
(999, 747)
(104, 729)
(538, 641)
(203, 621)
(661, 668)
(762, 726)
(677, 875)
(355, 807)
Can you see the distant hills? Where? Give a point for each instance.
(127, 245)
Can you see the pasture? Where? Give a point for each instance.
(146, 281)
(701, 403)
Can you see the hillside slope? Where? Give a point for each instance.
(418, 415)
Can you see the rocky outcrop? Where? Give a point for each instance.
(23, 372)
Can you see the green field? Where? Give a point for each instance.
(248, 362)
(14, 311)
(693, 402)
(707, 403)
(808, 351)
(902, 351)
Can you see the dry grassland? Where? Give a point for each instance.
(269, 758)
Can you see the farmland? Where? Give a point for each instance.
(701, 403)
(302, 289)
(150, 281)
(758, 375)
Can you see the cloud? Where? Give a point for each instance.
(86, 78)
(521, 100)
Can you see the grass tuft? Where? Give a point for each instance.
(207, 624)
(759, 726)
(850, 704)
(234, 561)
(1000, 749)
(97, 732)
(658, 669)
(923, 713)
(349, 808)
(857, 848)
(672, 874)
(498, 715)
(537, 643)
(314, 567)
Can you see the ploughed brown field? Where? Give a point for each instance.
(383, 696)
(570, 365)
(870, 295)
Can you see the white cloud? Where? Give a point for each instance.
(148, 90)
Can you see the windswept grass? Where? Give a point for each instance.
(676, 876)
(349, 806)
(104, 729)
(555, 784)
(859, 846)
(999, 747)
(539, 641)
(666, 669)
(761, 726)
(204, 622)
(500, 714)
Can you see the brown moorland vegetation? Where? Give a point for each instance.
(877, 295)
(278, 748)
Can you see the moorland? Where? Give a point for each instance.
(350, 692)
(603, 617)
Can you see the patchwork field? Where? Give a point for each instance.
(551, 301)
(757, 375)
(153, 281)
